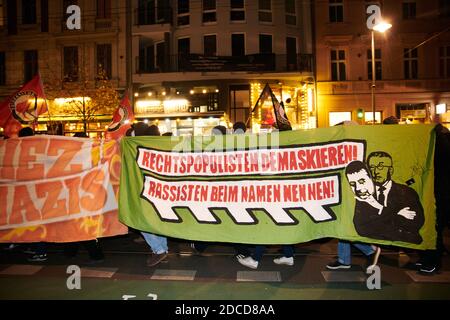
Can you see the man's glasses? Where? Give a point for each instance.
(379, 167)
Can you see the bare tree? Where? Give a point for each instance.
(84, 99)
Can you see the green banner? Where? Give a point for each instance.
(362, 183)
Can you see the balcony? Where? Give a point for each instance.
(249, 63)
(151, 16)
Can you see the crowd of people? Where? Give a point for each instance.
(371, 184)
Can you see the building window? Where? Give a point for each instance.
(44, 15)
(291, 15)
(11, 16)
(238, 45)
(444, 62)
(368, 117)
(409, 10)
(378, 69)
(209, 45)
(209, 11)
(184, 49)
(410, 63)
(338, 65)
(70, 56)
(30, 64)
(237, 12)
(183, 13)
(336, 10)
(265, 10)
(239, 103)
(2, 16)
(335, 118)
(184, 46)
(291, 53)
(2, 68)
(265, 43)
(28, 11)
(160, 56)
(444, 8)
(104, 60)
(103, 9)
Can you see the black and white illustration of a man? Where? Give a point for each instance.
(384, 209)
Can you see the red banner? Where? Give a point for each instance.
(58, 189)
(122, 119)
(23, 107)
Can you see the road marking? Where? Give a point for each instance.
(438, 277)
(165, 274)
(258, 276)
(344, 276)
(98, 272)
(21, 269)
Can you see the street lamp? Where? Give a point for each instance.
(380, 27)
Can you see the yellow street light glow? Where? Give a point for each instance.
(204, 91)
(136, 94)
(66, 100)
(149, 94)
(163, 93)
(191, 91)
(382, 26)
(143, 104)
(217, 90)
(146, 121)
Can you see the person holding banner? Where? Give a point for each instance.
(92, 246)
(430, 260)
(158, 244)
(363, 187)
(38, 249)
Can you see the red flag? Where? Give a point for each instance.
(23, 106)
(122, 119)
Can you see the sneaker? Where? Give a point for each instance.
(284, 260)
(428, 269)
(249, 262)
(38, 257)
(12, 246)
(154, 259)
(337, 265)
(29, 251)
(194, 249)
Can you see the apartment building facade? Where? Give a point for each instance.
(36, 37)
(200, 63)
(412, 61)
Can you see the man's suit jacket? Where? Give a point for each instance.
(389, 225)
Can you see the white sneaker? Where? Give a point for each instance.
(284, 260)
(249, 262)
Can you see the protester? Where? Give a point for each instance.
(252, 260)
(157, 243)
(372, 252)
(92, 246)
(430, 260)
(37, 249)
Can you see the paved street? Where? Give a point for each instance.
(216, 275)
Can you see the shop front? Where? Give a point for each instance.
(182, 111)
